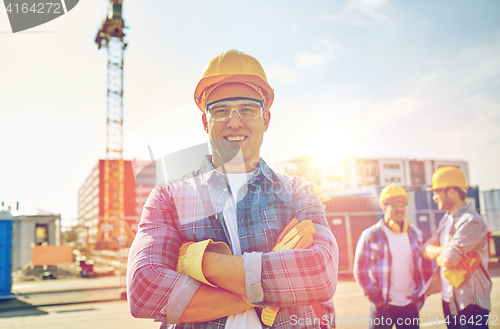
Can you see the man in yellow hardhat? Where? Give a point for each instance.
(388, 265)
(459, 240)
(203, 255)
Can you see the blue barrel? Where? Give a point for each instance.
(5, 256)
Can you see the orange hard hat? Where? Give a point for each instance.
(233, 66)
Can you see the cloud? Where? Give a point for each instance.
(283, 74)
(368, 116)
(307, 59)
(361, 13)
(448, 110)
(368, 7)
(321, 55)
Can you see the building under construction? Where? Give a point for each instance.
(101, 231)
(106, 201)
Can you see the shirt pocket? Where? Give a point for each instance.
(266, 233)
(376, 251)
(202, 229)
(273, 219)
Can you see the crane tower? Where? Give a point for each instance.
(112, 225)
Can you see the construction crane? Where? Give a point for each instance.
(112, 224)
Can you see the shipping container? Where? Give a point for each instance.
(472, 198)
(417, 172)
(424, 218)
(436, 214)
(348, 217)
(492, 210)
(5, 252)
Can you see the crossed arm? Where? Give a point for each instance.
(228, 273)
(156, 291)
(467, 237)
(434, 252)
(210, 303)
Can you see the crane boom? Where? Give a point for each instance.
(112, 224)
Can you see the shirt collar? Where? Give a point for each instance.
(457, 214)
(264, 169)
(207, 170)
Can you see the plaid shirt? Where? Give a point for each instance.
(192, 209)
(373, 260)
(468, 234)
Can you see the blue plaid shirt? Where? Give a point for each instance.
(372, 263)
(192, 209)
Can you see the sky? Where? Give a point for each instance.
(365, 78)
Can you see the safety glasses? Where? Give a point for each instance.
(246, 108)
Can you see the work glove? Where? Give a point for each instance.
(295, 236)
(191, 257)
(182, 267)
(457, 275)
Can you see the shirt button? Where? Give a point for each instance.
(216, 174)
(224, 189)
(216, 217)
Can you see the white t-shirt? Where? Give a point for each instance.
(443, 241)
(249, 318)
(402, 283)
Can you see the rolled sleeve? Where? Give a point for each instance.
(180, 297)
(469, 236)
(453, 255)
(252, 263)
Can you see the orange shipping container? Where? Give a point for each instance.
(51, 255)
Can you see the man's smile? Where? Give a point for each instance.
(237, 138)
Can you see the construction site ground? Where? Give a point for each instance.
(102, 308)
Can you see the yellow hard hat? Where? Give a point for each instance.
(392, 192)
(233, 66)
(448, 177)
